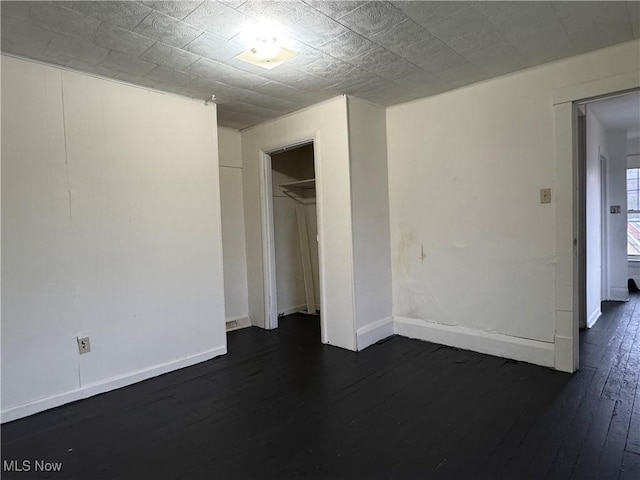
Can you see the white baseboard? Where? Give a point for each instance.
(593, 318)
(619, 294)
(295, 309)
(374, 332)
(564, 354)
(237, 323)
(102, 386)
(491, 343)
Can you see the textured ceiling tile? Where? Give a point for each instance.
(524, 23)
(459, 24)
(599, 36)
(123, 14)
(121, 40)
(397, 69)
(166, 76)
(544, 47)
(373, 17)
(307, 57)
(258, 99)
(387, 96)
(235, 120)
(476, 40)
(225, 74)
(335, 9)
(6, 45)
(245, 66)
(594, 25)
(426, 13)
(277, 12)
(167, 30)
(462, 75)
(124, 63)
(498, 60)
(329, 68)
(634, 17)
(367, 81)
(375, 59)
(168, 56)
(233, 3)
(306, 98)
(214, 47)
(275, 89)
(29, 51)
(348, 45)
(400, 36)
(445, 60)
(419, 78)
(482, 39)
(59, 19)
(219, 19)
(17, 10)
(21, 33)
(93, 69)
(421, 52)
(185, 92)
(133, 79)
(208, 87)
(296, 79)
(315, 29)
(175, 9)
(296, 19)
(500, 13)
(249, 109)
(78, 49)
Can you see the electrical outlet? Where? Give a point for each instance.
(84, 345)
(545, 195)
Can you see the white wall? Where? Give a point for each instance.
(326, 123)
(370, 213)
(110, 228)
(596, 146)
(617, 263)
(477, 261)
(233, 234)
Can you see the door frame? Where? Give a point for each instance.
(605, 291)
(568, 210)
(268, 237)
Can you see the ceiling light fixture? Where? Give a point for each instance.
(265, 50)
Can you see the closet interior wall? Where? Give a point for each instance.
(291, 166)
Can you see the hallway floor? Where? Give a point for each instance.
(281, 405)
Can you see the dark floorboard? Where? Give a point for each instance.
(281, 405)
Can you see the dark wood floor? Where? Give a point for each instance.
(281, 405)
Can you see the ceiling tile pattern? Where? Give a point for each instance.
(384, 51)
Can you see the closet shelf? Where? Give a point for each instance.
(303, 191)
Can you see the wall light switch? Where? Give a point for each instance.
(545, 195)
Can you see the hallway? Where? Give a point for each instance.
(281, 405)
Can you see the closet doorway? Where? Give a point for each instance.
(293, 270)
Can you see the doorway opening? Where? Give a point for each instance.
(292, 273)
(608, 150)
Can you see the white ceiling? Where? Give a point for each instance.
(619, 113)
(386, 52)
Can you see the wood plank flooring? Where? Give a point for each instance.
(282, 406)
